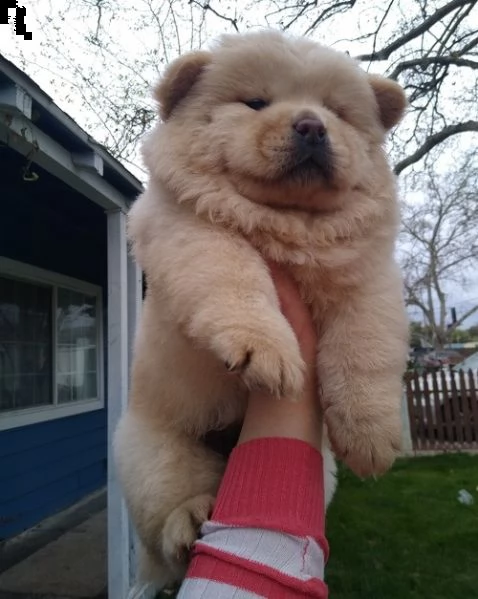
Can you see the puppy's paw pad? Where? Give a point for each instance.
(368, 447)
(182, 527)
(280, 372)
(269, 361)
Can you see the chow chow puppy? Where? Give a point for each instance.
(270, 148)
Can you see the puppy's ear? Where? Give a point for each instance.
(391, 100)
(178, 79)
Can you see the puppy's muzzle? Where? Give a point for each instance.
(312, 145)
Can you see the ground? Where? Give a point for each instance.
(406, 535)
(63, 557)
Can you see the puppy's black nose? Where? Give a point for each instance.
(312, 130)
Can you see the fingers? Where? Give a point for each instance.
(295, 310)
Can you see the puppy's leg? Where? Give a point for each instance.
(362, 357)
(169, 481)
(219, 290)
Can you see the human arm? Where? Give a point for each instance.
(266, 537)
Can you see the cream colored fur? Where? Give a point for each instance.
(219, 202)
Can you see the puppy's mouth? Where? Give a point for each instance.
(310, 171)
(310, 165)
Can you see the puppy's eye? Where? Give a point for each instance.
(338, 109)
(341, 112)
(256, 104)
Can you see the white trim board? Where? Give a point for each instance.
(19, 418)
(21, 270)
(19, 94)
(20, 134)
(119, 538)
(124, 305)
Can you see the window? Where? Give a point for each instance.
(50, 345)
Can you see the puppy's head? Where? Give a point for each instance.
(288, 122)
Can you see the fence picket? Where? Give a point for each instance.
(465, 408)
(429, 424)
(445, 398)
(474, 405)
(420, 420)
(457, 416)
(438, 412)
(412, 415)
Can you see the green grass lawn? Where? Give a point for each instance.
(406, 536)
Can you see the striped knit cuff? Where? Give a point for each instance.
(218, 575)
(276, 484)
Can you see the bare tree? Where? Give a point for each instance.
(98, 58)
(440, 246)
(116, 49)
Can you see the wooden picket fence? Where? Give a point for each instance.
(443, 410)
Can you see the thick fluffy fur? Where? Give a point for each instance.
(226, 192)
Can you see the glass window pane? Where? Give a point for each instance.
(77, 346)
(25, 345)
(91, 384)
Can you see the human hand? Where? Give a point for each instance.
(267, 416)
(296, 312)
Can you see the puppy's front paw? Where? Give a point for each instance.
(368, 444)
(182, 527)
(268, 359)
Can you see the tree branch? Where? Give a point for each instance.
(379, 26)
(296, 17)
(384, 53)
(469, 46)
(466, 315)
(207, 6)
(334, 8)
(432, 60)
(433, 140)
(413, 300)
(303, 9)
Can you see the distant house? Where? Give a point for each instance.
(69, 296)
(467, 345)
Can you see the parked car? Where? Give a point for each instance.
(442, 357)
(429, 361)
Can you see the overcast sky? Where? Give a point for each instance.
(129, 40)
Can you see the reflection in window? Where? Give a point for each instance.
(77, 346)
(25, 345)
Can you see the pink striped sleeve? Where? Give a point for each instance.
(266, 535)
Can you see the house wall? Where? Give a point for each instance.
(48, 466)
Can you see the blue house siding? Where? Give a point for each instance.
(48, 466)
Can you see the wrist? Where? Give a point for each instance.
(268, 416)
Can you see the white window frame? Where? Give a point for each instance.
(34, 415)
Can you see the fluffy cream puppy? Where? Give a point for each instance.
(269, 148)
